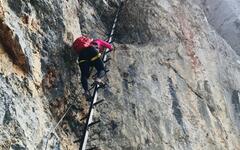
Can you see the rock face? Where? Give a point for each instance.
(224, 16)
(174, 82)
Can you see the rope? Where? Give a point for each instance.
(53, 129)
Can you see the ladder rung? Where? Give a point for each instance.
(79, 140)
(102, 86)
(93, 123)
(98, 102)
(107, 60)
(83, 118)
(107, 52)
(92, 86)
(95, 147)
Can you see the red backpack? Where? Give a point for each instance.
(81, 43)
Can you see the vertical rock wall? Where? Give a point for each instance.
(37, 70)
(174, 83)
(224, 16)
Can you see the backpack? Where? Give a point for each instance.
(81, 43)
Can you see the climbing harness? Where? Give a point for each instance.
(92, 59)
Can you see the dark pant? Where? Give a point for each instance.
(87, 55)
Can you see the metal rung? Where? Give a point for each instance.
(92, 87)
(102, 86)
(98, 102)
(95, 147)
(79, 140)
(93, 123)
(84, 118)
(107, 60)
(107, 52)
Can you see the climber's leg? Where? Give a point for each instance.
(84, 67)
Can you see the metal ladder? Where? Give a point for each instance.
(94, 102)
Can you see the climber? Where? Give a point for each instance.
(89, 52)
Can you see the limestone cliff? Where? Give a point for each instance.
(173, 81)
(224, 16)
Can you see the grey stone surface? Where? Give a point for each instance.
(224, 16)
(174, 82)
